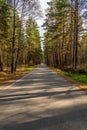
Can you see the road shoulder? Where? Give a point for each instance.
(82, 86)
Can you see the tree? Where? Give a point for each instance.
(12, 31)
(63, 27)
(27, 8)
(33, 41)
(4, 15)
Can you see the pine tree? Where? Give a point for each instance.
(33, 41)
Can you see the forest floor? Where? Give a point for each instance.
(7, 77)
(74, 78)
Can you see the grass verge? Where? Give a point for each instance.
(7, 77)
(79, 79)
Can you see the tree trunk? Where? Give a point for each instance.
(18, 50)
(13, 41)
(76, 33)
(1, 60)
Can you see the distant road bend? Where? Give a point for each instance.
(42, 100)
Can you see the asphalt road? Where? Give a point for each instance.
(42, 100)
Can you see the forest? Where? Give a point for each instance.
(20, 42)
(65, 38)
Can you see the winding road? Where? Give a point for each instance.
(42, 100)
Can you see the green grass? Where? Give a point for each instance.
(78, 77)
(29, 68)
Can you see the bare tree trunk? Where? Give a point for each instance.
(18, 50)
(76, 33)
(13, 41)
(1, 60)
(71, 39)
(19, 39)
(62, 56)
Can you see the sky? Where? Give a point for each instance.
(40, 22)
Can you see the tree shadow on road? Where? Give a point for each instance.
(31, 102)
(70, 119)
(69, 94)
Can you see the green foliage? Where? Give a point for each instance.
(33, 41)
(4, 16)
(4, 26)
(63, 39)
(14, 46)
(78, 77)
(30, 68)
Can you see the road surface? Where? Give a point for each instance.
(42, 100)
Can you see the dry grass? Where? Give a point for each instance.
(7, 77)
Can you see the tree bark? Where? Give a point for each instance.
(1, 60)
(76, 33)
(13, 41)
